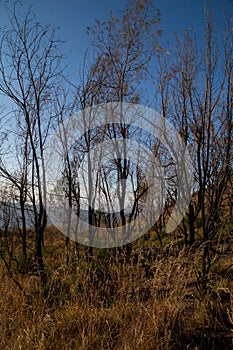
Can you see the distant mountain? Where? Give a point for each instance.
(10, 215)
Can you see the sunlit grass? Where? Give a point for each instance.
(151, 301)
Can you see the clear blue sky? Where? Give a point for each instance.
(73, 17)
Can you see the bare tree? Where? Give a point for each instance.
(123, 48)
(196, 92)
(29, 73)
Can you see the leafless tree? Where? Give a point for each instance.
(29, 74)
(196, 92)
(123, 48)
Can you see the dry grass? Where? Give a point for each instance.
(150, 302)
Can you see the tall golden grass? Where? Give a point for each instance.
(152, 301)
